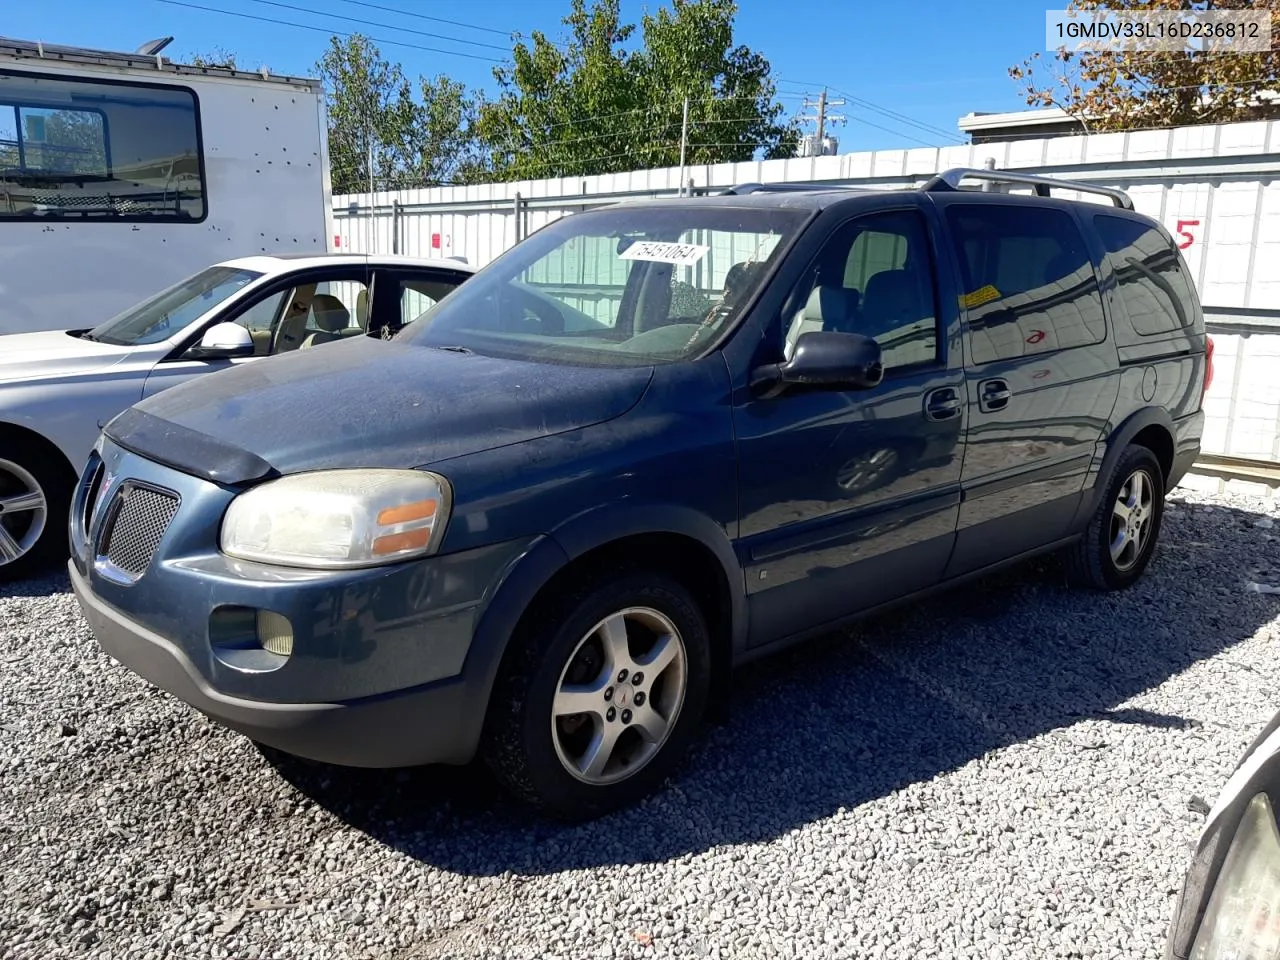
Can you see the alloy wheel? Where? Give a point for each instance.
(619, 696)
(23, 511)
(1131, 517)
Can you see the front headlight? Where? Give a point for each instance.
(1242, 920)
(338, 519)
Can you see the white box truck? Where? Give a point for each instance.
(121, 173)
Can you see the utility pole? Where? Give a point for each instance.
(684, 141)
(822, 118)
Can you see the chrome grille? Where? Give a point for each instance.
(138, 520)
(94, 485)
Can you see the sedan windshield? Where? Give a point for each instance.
(623, 286)
(169, 311)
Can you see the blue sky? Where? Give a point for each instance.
(930, 61)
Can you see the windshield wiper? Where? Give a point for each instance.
(454, 348)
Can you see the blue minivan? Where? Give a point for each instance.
(651, 441)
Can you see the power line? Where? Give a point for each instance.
(820, 120)
(900, 117)
(896, 133)
(884, 111)
(374, 23)
(326, 31)
(423, 16)
(651, 109)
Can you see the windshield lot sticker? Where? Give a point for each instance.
(980, 296)
(683, 254)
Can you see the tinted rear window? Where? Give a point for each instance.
(1150, 274)
(1029, 285)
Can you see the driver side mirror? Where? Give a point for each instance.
(823, 359)
(223, 341)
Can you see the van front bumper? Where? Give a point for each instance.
(427, 724)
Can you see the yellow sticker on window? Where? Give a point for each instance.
(979, 297)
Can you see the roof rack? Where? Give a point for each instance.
(745, 188)
(950, 180)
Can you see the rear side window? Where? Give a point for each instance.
(1150, 275)
(1029, 284)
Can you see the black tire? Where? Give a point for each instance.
(1090, 562)
(56, 484)
(519, 744)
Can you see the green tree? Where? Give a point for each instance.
(690, 51)
(217, 58)
(1131, 90)
(76, 142)
(373, 114)
(446, 147)
(594, 105)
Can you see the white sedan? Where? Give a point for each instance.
(58, 388)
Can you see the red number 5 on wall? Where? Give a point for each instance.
(1185, 237)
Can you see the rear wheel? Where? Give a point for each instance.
(601, 696)
(34, 499)
(1121, 537)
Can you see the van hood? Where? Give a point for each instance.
(366, 403)
(54, 353)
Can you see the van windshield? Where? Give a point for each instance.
(615, 287)
(169, 311)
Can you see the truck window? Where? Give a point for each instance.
(1029, 284)
(1150, 275)
(98, 150)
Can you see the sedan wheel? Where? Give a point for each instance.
(24, 512)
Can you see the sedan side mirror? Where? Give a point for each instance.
(823, 359)
(223, 341)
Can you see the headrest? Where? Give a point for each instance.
(739, 277)
(895, 292)
(828, 306)
(330, 315)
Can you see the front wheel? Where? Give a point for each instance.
(1122, 535)
(600, 695)
(34, 501)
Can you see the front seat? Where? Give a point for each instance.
(828, 308)
(331, 317)
(362, 309)
(892, 301)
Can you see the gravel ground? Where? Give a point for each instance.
(1014, 770)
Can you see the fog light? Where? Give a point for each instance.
(275, 633)
(1242, 921)
(249, 639)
